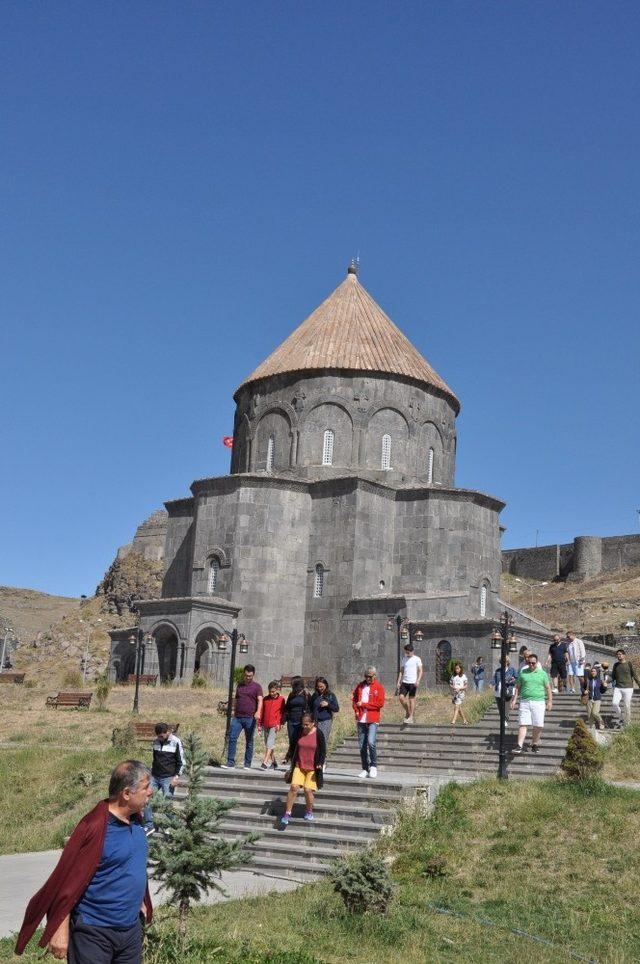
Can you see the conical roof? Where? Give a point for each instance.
(351, 332)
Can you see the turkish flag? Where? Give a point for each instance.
(228, 441)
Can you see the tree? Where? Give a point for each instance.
(363, 881)
(584, 757)
(186, 856)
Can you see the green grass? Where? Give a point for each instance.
(44, 794)
(622, 757)
(530, 870)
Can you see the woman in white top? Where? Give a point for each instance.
(458, 687)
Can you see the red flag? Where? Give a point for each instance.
(228, 441)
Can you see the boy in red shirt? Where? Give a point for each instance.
(271, 721)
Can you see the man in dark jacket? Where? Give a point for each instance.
(95, 898)
(594, 690)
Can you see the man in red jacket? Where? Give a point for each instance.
(368, 700)
(95, 898)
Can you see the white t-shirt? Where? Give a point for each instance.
(364, 698)
(410, 667)
(458, 682)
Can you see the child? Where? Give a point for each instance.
(478, 674)
(458, 687)
(271, 721)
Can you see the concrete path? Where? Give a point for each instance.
(21, 875)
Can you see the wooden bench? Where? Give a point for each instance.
(144, 732)
(309, 682)
(76, 700)
(147, 679)
(7, 677)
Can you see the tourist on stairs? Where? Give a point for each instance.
(458, 685)
(322, 707)
(297, 704)
(557, 659)
(510, 677)
(408, 681)
(307, 753)
(595, 689)
(532, 687)
(367, 700)
(623, 675)
(270, 722)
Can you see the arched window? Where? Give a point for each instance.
(430, 466)
(270, 450)
(318, 582)
(327, 448)
(483, 600)
(443, 655)
(385, 462)
(214, 567)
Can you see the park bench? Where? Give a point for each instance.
(144, 732)
(147, 679)
(12, 677)
(309, 682)
(75, 700)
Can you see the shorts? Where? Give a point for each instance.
(559, 669)
(577, 669)
(408, 689)
(270, 737)
(531, 713)
(304, 778)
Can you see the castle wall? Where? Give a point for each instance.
(586, 556)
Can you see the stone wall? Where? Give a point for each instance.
(583, 558)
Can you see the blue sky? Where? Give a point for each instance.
(184, 183)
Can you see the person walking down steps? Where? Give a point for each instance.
(408, 682)
(367, 700)
(307, 753)
(323, 706)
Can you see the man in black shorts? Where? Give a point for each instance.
(558, 659)
(408, 681)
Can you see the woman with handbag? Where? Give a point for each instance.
(307, 752)
(510, 677)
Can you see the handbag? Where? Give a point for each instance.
(288, 774)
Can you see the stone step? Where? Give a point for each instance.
(526, 763)
(355, 829)
(337, 812)
(387, 764)
(274, 779)
(352, 792)
(311, 835)
(469, 737)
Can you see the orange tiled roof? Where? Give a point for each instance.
(350, 331)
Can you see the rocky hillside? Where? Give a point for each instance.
(83, 627)
(599, 605)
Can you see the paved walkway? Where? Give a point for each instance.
(21, 875)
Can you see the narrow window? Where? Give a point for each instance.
(483, 600)
(270, 447)
(385, 462)
(318, 582)
(327, 448)
(214, 566)
(430, 466)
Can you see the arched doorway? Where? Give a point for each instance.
(123, 661)
(443, 655)
(167, 645)
(210, 661)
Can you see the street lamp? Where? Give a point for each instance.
(136, 639)
(502, 638)
(238, 641)
(403, 632)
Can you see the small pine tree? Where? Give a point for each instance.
(186, 856)
(363, 881)
(584, 759)
(103, 687)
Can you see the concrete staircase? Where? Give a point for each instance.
(472, 750)
(348, 812)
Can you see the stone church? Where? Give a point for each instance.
(339, 514)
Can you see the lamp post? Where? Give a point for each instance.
(403, 632)
(502, 638)
(238, 641)
(137, 641)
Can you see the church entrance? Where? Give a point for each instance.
(443, 655)
(167, 646)
(210, 661)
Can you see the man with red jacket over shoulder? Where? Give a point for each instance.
(96, 897)
(368, 700)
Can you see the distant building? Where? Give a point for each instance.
(340, 511)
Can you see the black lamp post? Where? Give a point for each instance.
(238, 641)
(403, 632)
(502, 638)
(138, 641)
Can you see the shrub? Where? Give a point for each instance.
(30, 684)
(238, 674)
(584, 759)
(72, 679)
(103, 687)
(124, 738)
(451, 666)
(363, 881)
(199, 681)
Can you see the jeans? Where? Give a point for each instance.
(293, 729)
(625, 694)
(238, 724)
(367, 733)
(163, 785)
(325, 728)
(479, 685)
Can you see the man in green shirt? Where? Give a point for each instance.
(533, 689)
(623, 675)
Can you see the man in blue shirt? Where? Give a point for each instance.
(105, 925)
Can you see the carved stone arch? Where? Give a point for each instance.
(326, 399)
(277, 420)
(163, 621)
(388, 444)
(285, 408)
(430, 436)
(382, 407)
(326, 412)
(218, 553)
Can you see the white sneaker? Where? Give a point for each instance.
(363, 774)
(555, 689)
(373, 772)
(409, 719)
